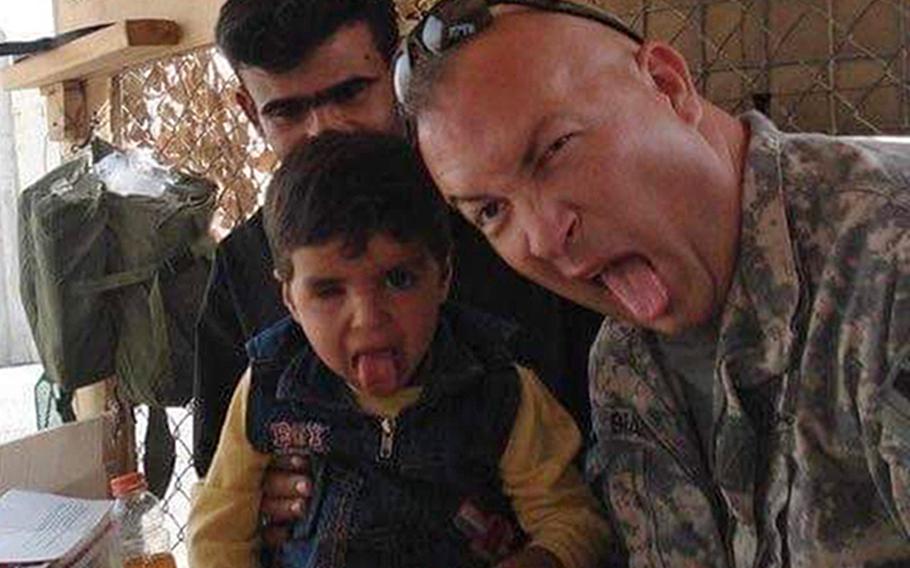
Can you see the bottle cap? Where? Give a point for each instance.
(128, 483)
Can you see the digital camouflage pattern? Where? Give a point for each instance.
(809, 459)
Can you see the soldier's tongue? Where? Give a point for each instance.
(377, 372)
(638, 288)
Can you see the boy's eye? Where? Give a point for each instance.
(400, 279)
(326, 292)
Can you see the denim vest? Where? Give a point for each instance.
(410, 492)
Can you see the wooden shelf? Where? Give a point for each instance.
(104, 52)
(196, 17)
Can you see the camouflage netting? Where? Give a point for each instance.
(184, 108)
(838, 66)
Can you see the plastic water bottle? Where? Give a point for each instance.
(144, 542)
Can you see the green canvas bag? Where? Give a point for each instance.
(111, 283)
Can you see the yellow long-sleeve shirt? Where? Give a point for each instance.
(551, 501)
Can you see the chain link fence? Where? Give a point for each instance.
(835, 66)
(176, 502)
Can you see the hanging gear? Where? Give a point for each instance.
(112, 281)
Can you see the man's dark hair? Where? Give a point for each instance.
(277, 35)
(353, 186)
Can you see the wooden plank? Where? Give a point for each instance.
(196, 18)
(78, 109)
(103, 52)
(98, 106)
(67, 115)
(101, 399)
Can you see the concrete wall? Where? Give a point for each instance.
(15, 339)
(25, 155)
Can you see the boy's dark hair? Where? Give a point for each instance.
(277, 35)
(353, 186)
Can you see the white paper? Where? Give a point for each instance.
(40, 527)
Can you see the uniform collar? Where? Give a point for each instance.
(763, 301)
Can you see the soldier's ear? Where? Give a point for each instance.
(667, 71)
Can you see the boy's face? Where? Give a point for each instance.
(370, 318)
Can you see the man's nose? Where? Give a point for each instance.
(326, 118)
(550, 230)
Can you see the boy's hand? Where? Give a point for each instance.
(531, 557)
(286, 490)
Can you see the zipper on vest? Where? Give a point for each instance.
(387, 438)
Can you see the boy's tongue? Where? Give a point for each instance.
(377, 372)
(638, 288)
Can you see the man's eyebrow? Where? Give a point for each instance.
(455, 200)
(532, 147)
(526, 161)
(319, 98)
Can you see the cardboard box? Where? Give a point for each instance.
(75, 460)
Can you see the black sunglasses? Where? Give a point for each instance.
(450, 22)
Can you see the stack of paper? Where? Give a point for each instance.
(40, 529)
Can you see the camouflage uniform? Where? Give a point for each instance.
(808, 458)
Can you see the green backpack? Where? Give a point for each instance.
(111, 283)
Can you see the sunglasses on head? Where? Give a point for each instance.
(451, 22)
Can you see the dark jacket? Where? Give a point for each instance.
(243, 298)
(391, 492)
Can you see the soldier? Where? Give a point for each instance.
(750, 384)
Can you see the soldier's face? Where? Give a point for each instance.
(582, 163)
(343, 85)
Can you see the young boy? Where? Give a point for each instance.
(430, 447)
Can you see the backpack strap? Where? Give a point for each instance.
(170, 266)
